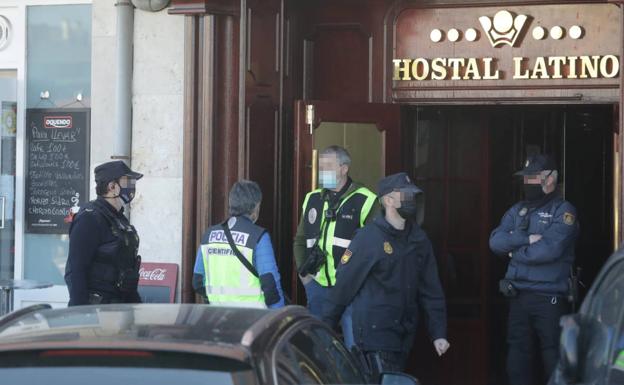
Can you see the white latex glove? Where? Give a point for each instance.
(534, 238)
(441, 346)
(307, 279)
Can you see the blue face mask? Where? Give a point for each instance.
(328, 179)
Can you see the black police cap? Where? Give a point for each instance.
(396, 182)
(536, 164)
(114, 170)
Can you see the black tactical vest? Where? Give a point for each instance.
(116, 264)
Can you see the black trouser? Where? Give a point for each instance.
(103, 298)
(530, 316)
(384, 361)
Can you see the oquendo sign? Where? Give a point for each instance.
(550, 67)
(494, 48)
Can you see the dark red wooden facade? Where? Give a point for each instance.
(248, 62)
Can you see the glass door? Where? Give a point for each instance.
(55, 142)
(8, 131)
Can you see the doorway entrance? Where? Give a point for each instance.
(464, 158)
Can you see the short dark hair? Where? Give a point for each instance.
(101, 187)
(244, 196)
(341, 153)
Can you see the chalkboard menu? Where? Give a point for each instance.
(57, 159)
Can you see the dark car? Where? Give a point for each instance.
(592, 341)
(173, 344)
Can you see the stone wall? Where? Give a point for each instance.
(157, 105)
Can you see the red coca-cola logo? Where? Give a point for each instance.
(153, 275)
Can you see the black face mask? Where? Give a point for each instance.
(126, 193)
(533, 192)
(408, 210)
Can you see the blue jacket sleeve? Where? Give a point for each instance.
(506, 237)
(555, 240)
(199, 273)
(199, 263)
(264, 262)
(431, 297)
(350, 276)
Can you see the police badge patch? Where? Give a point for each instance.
(388, 247)
(312, 214)
(568, 219)
(346, 257)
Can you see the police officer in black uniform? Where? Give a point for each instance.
(537, 236)
(387, 272)
(103, 262)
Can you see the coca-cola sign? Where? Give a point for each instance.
(152, 275)
(158, 276)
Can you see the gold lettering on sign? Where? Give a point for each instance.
(556, 62)
(542, 67)
(589, 64)
(487, 67)
(401, 67)
(614, 65)
(455, 63)
(424, 64)
(572, 67)
(518, 68)
(438, 69)
(472, 70)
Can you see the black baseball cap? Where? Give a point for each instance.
(114, 170)
(396, 182)
(536, 164)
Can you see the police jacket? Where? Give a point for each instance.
(387, 274)
(350, 208)
(225, 280)
(102, 258)
(544, 266)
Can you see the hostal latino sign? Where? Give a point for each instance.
(494, 47)
(551, 67)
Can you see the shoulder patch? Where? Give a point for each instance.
(523, 211)
(388, 248)
(568, 219)
(312, 215)
(346, 257)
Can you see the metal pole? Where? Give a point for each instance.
(123, 81)
(5, 297)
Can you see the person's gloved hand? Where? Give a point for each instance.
(441, 346)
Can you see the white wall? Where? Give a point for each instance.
(157, 122)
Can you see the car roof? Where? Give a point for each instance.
(191, 328)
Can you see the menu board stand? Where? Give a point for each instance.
(57, 167)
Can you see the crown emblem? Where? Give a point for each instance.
(503, 28)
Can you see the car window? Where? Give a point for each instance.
(312, 355)
(346, 369)
(601, 325)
